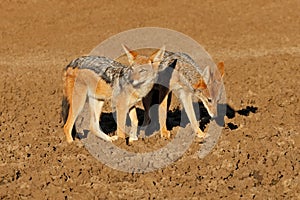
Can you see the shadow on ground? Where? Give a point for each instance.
(178, 117)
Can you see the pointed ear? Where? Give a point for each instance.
(130, 54)
(206, 74)
(158, 55)
(221, 68)
(200, 85)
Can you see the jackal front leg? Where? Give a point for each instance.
(186, 99)
(134, 124)
(162, 115)
(121, 119)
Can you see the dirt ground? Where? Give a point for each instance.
(257, 155)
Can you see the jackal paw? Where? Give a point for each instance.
(165, 134)
(69, 139)
(121, 134)
(113, 138)
(200, 133)
(133, 138)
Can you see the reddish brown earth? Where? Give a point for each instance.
(257, 40)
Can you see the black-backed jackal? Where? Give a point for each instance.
(187, 82)
(98, 79)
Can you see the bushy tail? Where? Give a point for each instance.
(65, 105)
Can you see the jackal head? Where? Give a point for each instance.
(144, 68)
(210, 88)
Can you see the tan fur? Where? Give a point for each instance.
(80, 84)
(134, 57)
(70, 76)
(206, 92)
(103, 89)
(200, 85)
(186, 98)
(221, 68)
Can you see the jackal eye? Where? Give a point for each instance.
(152, 62)
(142, 70)
(209, 100)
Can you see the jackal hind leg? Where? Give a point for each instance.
(95, 111)
(134, 125)
(186, 99)
(76, 105)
